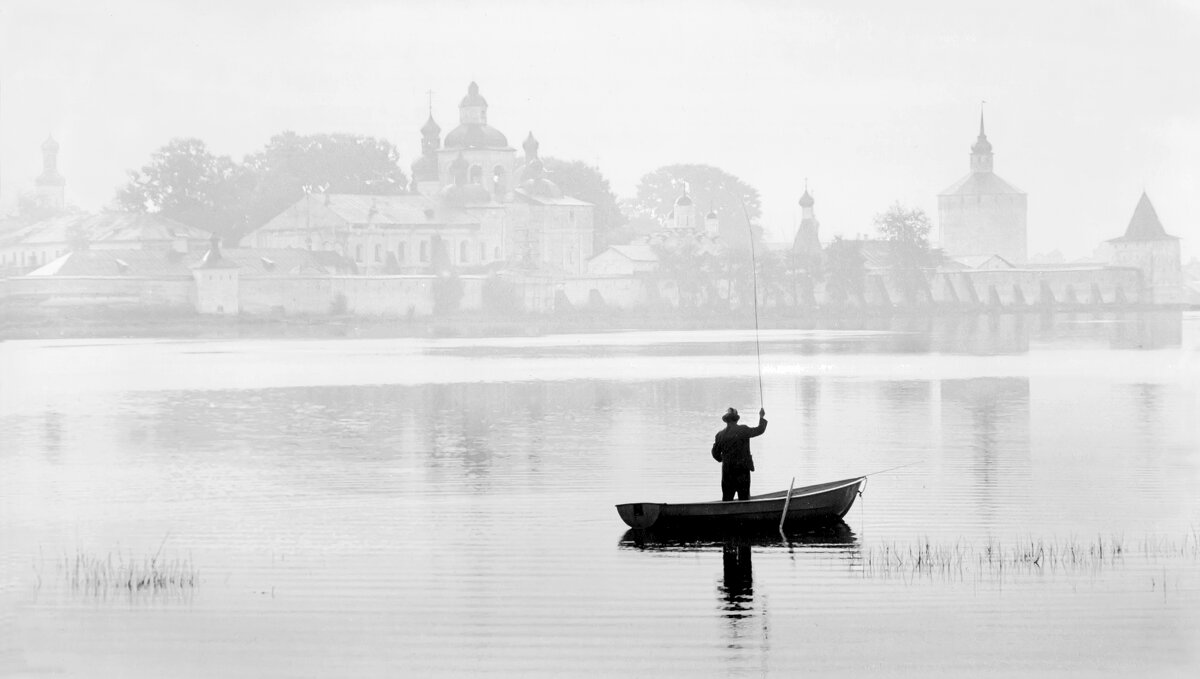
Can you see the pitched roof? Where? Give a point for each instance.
(117, 263)
(979, 261)
(636, 253)
(353, 208)
(981, 183)
(107, 227)
(1144, 225)
(550, 200)
(153, 263)
(401, 210)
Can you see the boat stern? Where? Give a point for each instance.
(639, 514)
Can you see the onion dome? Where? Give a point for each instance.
(473, 98)
(683, 200)
(806, 200)
(531, 146)
(430, 128)
(50, 144)
(474, 136)
(473, 130)
(712, 214)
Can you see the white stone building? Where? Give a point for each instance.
(981, 214)
(473, 207)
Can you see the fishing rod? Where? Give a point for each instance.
(754, 274)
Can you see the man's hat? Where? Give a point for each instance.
(731, 415)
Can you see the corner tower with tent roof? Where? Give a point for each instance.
(1148, 247)
(981, 214)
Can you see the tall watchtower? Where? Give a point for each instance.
(981, 214)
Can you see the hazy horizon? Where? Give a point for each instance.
(1088, 103)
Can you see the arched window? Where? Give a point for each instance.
(499, 181)
(378, 252)
(462, 252)
(476, 175)
(424, 251)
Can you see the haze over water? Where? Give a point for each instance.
(371, 507)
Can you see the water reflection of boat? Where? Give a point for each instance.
(821, 502)
(834, 535)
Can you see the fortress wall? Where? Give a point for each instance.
(617, 292)
(99, 290)
(288, 295)
(1041, 287)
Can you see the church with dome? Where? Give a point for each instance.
(475, 205)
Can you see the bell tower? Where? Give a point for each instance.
(50, 184)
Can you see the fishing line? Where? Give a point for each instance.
(892, 469)
(754, 274)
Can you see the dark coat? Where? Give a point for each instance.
(732, 446)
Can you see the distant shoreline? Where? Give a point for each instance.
(175, 323)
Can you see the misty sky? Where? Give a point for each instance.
(1088, 102)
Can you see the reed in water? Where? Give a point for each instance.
(88, 572)
(993, 558)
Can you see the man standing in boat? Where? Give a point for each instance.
(732, 449)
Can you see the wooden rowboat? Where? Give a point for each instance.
(818, 503)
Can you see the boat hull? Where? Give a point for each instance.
(822, 502)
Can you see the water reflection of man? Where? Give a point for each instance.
(737, 585)
(732, 449)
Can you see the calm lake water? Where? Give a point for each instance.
(401, 507)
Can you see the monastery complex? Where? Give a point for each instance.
(481, 219)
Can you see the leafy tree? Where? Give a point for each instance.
(804, 270)
(737, 269)
(907, 230)
(777, 279)
(710, 188)
(186, 182)
(290, 164)
(691, 269)
(845, 270)
(585, 182)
